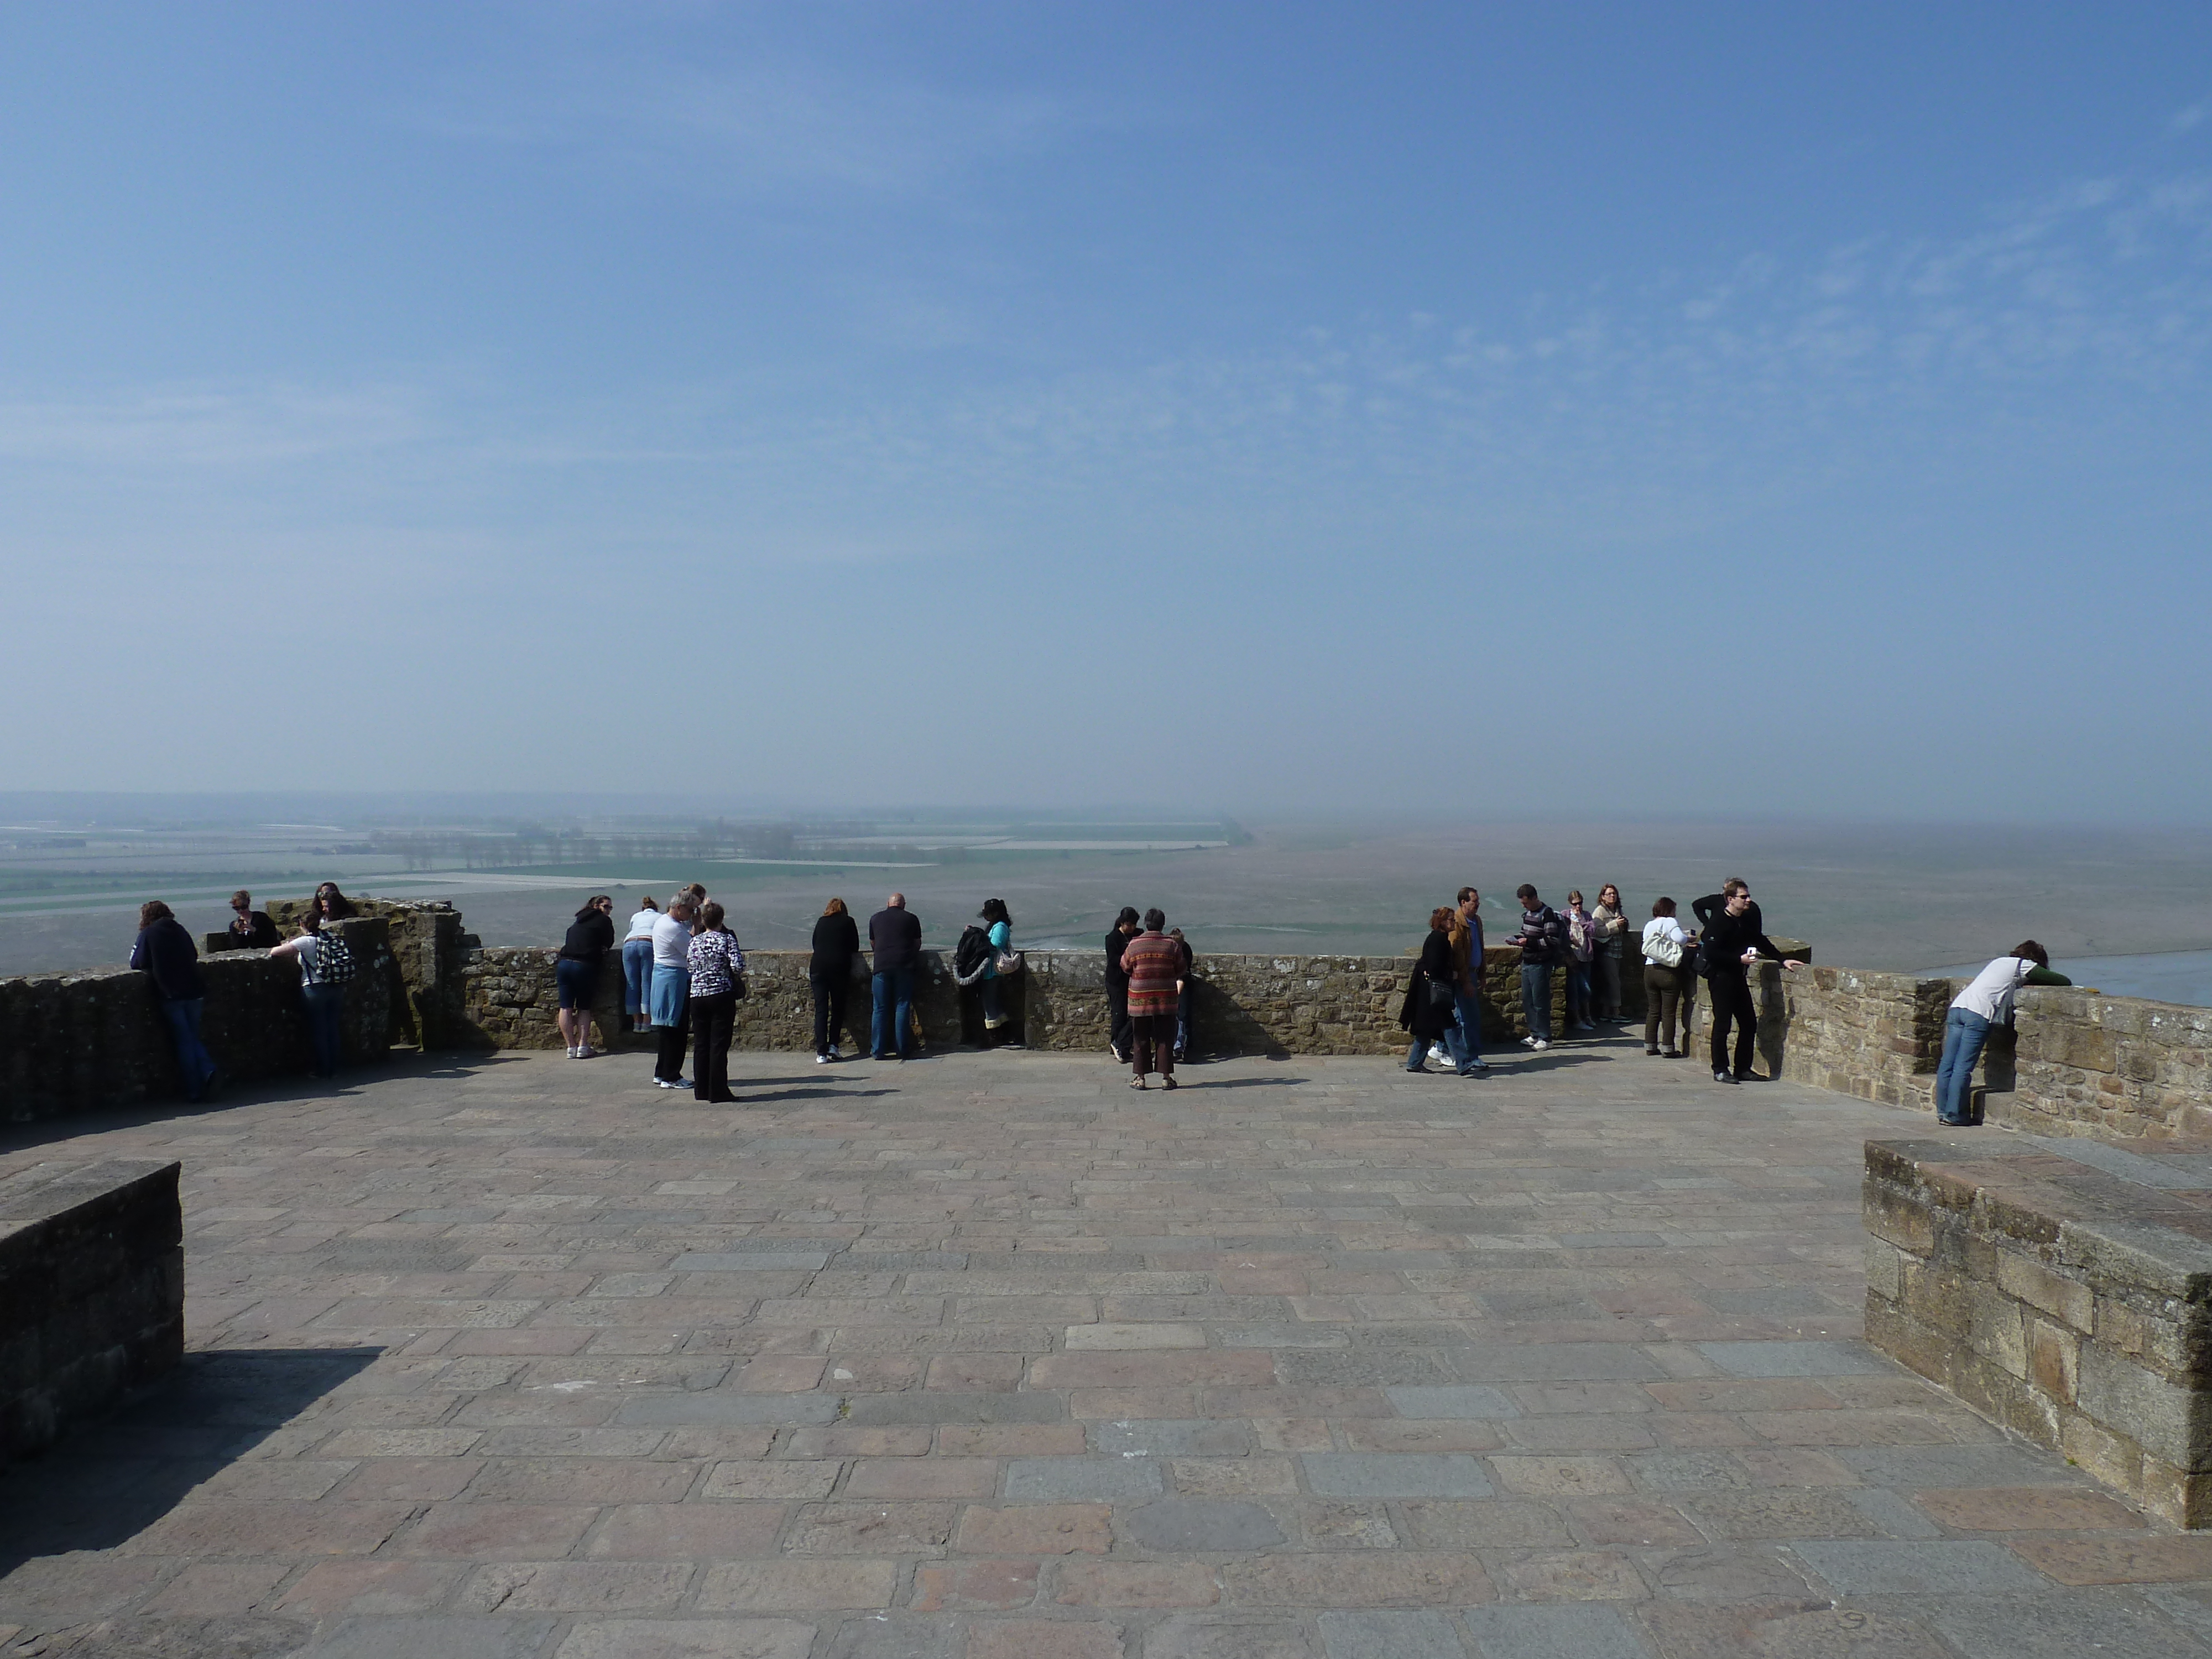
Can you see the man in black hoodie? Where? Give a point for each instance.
(1732, 937)
(165, 953)
(1118, 1032)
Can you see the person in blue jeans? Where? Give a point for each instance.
(1464, 1041)
(895, 949)
(1542, 937)
(165, 953)
(637, 965)
(1986, 1001)
(320, 960)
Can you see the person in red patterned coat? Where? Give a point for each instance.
(1153, 962)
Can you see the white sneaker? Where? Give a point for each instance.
(834, 1054)
(1527, 1042)
(572, 1051)
(1436, 1055)
(820, 1060)
(1538, 1044)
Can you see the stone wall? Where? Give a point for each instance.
(92, 1291)
(2077, 1064)
(2054, 1300)
(70, 1043)
(1243, 1004)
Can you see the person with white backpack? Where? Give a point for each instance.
(327, 968)
(1666, 974)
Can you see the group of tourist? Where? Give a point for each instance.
(684, 975)
(1442, 1008)
(165, 952)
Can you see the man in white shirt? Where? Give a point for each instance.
(1986, 1001)
(671, 991)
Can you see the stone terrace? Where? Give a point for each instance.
(987, 1356)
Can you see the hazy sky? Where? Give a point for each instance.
(1262, 407)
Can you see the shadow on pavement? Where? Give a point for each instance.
(113, 1477)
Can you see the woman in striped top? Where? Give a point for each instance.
(1153, 962)
(718, 977)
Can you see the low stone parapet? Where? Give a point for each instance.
(2061, 1288)
(92, 1291)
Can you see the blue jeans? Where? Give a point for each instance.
(325, 1010)
(1536, 999)
(1578, 994)
(637, 976)
(894, 1014)
(1964, 1034)
(1464, 1041)
(193, 1061)
(1417, 1056)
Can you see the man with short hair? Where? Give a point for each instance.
(671, 991)
(250, 929)
(895, 944)
(164, 953)
(1124, 929)
(1464, 1039)
(1732, 936)
(1542, 935)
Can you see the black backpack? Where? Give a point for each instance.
(971, 954)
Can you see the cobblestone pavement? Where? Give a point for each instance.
(987, 1356)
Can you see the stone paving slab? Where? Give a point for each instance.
(987, 1357)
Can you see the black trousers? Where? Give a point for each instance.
(829, 1009)
(673, 1041)
(1662, 996)
(1731, 1001)
(714, 1023)
(1117, 1025)
(1155, 1042)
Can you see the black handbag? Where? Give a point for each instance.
(1442, 999)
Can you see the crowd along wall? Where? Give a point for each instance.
(2078, 1064)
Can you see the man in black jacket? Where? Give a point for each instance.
(1732, 936)
(895, 944)
(1542, 937)
(1118, 1032)
(164, 953)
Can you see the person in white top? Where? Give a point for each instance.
(671, 991)
(637, 964)
(1666, 972)
(1986, 1001)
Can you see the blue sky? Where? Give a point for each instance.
(1490, 411)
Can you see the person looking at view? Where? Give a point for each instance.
(576, 972)
(165, 953)
(1731, 937)
(895, 945)
(829, 975)
(637, 964)
(671, 991)
(1985, 1001)
(1154, 962)
(1666, 971)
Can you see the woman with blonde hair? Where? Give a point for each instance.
(830, 973)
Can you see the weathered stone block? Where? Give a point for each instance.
(2065, 1299)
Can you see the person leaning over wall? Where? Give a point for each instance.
(637, 965)
(1986, 1001)
(576, 971)
(1002, 964)
(164, 953)
(250, 929)
(327, 968)
(1732, 937)
(895, 944)
(1183, 993)
(829, 975)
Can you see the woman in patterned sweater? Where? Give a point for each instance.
(718, 975)
(1153, 962)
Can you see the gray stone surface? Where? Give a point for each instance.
(2061, 1627)
(1574, 1630)
(1795, 1359)
(1854, 1567)
(442, 1364)
(1205, 1524)
(1466, 1399)
(1395, 1475)
(1389, 1636)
